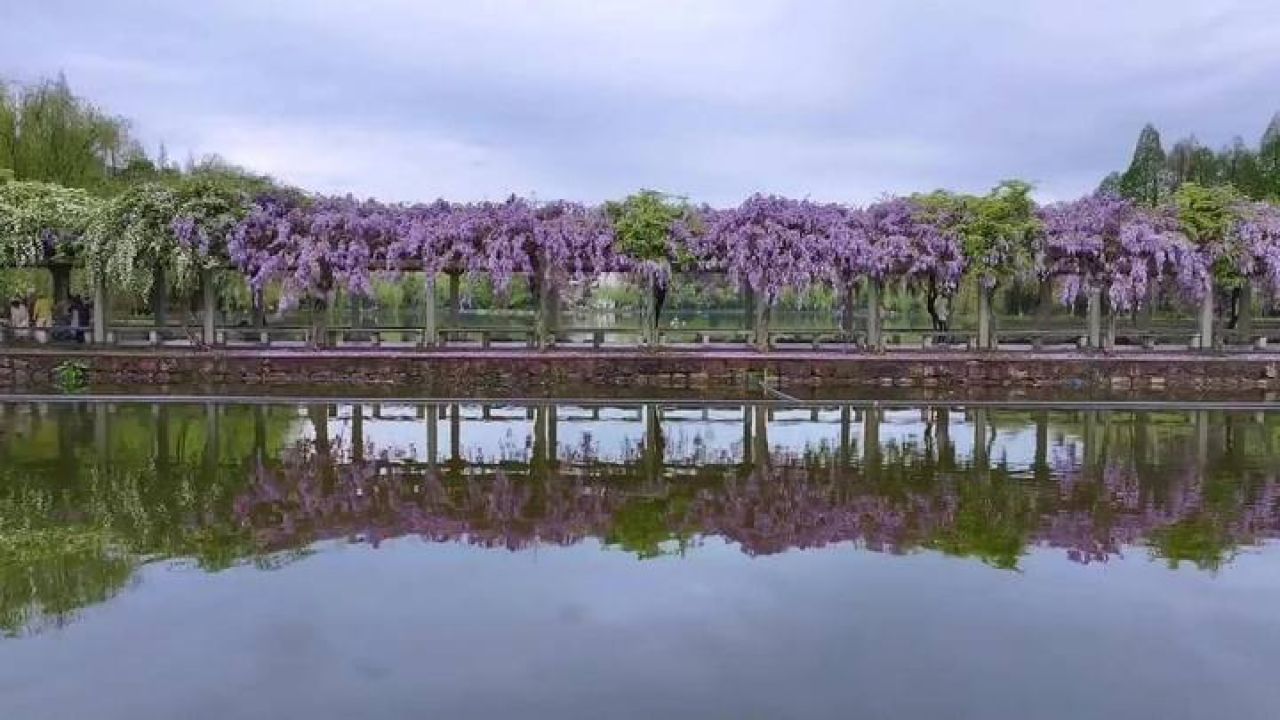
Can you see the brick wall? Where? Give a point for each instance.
(467, 372)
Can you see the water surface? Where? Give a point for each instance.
(613, 560)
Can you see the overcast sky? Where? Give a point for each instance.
(713, 99)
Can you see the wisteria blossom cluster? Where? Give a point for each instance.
(1111, 244)
(314, 246)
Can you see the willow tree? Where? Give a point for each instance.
(47, 133)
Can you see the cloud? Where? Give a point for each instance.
(711, 98)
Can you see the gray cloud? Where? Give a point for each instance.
(714, 99)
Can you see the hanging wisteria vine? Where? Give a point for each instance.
(312, 246)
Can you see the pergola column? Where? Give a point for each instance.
(100, 310)
(1206, 321)
(986, 338)
(429, 331)
(160, 297)
(875, 340)
(1095, 318)
(209, 297)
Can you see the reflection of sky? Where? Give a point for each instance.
(445, 630)
(692, 434)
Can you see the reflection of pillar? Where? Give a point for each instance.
(761, 452)
(1202, 437)
(455, 433)
(747, 445)
(654, 441)
(259, 433)
(1042, 443)
(357, 432)
(552, 420)
(942, 436)
(980, 458)
(846, 433)
(539, 436)
(1092, 443)
(432, 414)
(871, 437)
(101, 443)
(212, 443)
(319, 415)
(161, 414)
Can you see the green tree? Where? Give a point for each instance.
(1145, 181)
(1239, 168)
(1269, 159)
(1189, 161)
(643, 224)
(49, 134)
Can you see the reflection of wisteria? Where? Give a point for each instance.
(905, 501)
(306, 498)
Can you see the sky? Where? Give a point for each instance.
(834, 100)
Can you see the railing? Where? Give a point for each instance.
(1014, 335)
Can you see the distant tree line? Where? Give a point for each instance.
(1154, 175)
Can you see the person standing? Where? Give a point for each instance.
(43, 319)
(19, 319)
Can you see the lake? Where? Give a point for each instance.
(600, 559)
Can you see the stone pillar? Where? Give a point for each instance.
(846, 320)
(209, 296)
(1095, 318)
(160, 297)
(429, 332)
(762, 324)
(455, 303)
(985, 336)
(61, 283)
(875, 340)
(1245, 321)
(100, 310)
(546, 311)
(1206, 321)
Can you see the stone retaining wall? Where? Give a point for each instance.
(459, 372)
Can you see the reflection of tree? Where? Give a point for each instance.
(217, 489)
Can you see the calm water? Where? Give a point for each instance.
(340, 561)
